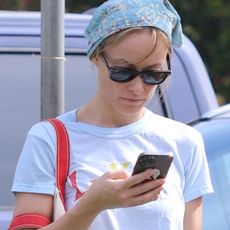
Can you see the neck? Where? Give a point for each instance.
(95, 113)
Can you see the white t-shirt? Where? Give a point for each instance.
(96, 150)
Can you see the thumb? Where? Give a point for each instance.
(117, 174)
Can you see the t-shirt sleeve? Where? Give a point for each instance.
(35, 171)
(197, 176)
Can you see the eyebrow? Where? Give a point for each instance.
(123, 61)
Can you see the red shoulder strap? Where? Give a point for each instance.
(63, 156)
(31, 220)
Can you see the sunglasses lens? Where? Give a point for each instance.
(121, 75)
(154, 78)
(149, 77)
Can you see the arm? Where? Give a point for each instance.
(112, 190)
(193, 215)
(42, 204)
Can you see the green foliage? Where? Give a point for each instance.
(19, 5)
(205, 22)
(79, 6)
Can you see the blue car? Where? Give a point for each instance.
(215, 129)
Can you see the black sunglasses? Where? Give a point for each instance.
(152, 77)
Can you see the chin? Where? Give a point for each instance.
(132, 111)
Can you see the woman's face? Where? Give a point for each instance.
(138, 51)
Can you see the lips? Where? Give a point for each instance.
(132, 100)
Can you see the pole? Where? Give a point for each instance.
(52, 58)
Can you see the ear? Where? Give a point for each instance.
(95, 60)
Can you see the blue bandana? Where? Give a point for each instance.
(116, 15)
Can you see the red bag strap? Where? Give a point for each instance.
(63, 156)
(31, 220)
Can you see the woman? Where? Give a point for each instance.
(130, 44)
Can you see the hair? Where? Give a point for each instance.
(117, 37)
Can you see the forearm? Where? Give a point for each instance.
(79, 217)
(193, 215)
(112, 190)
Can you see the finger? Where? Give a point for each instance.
(144, 198)
(116, 174)
(138, 178)
(145, 187)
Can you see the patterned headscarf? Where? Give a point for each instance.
(116, 15)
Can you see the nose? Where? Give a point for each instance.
(136, 86)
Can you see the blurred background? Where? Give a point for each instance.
(205, 22)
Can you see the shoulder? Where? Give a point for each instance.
(68, 117)
(42, 130)
(45, 130)
(173, 130)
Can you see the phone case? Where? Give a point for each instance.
(160, 164)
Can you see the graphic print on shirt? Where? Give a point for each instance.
(74, 180)
(114, 165)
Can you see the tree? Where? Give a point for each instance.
(207, 24)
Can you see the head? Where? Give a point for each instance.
(137, 42)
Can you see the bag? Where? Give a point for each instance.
(62, 167)
(32, 220)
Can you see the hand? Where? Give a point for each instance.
(117, 189)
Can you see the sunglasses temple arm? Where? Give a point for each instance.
(168, 62)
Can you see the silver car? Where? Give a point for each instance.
(215, 129)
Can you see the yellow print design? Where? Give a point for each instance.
(116, 166)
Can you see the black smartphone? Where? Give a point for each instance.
(160, 163)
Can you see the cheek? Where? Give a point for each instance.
(151, 90)
(106, 85)
(103, 80)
